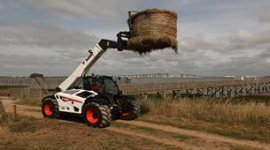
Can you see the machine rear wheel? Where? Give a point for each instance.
(96, 115)
(131, 110)
(50, 108)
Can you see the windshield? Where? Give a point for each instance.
(110, 86)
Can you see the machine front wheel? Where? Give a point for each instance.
(50, 108)
(96, 115)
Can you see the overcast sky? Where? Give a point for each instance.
(216, 37)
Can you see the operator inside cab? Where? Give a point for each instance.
(95, 86)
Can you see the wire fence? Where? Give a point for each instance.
(24, 87)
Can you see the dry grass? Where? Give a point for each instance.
(52, 134)
(18, 124)
(30, 102)
(250, 120)
(159, 133)
(182, 138)
(218, 111)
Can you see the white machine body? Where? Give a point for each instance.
(72, 101)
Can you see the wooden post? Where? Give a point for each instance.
(2, 110)
(164, 96)
(15, 111)
(248, 89)
(222, 92)
(145, 96)
(173, 94)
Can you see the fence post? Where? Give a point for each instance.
(2, 110)
(145, 96)
(15, 111)
(164, 96)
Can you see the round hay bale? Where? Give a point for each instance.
(153, 29)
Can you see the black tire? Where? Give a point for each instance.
(131, 110)
(96, 115)
(50, 108)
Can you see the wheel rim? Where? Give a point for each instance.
(92, 115)
(48, 109)
(125, 113)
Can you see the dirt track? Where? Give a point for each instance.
(199, 134)
(211, 141)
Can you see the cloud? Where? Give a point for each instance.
(43, 39)
(52, 37)
(25, 65)
(83, 9)
(235, 42)
(42, 35)
(243, 52)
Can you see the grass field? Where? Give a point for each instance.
(238, 118)
(32, 133)
(241, 117)
(245, 118)
(37, 133)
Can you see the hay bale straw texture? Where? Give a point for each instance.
(153, 29)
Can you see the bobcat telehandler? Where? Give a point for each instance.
(97, 99)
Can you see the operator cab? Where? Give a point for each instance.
(99, 84)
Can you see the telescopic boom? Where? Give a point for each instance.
(92, 57)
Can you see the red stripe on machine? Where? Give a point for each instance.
(70, 100)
